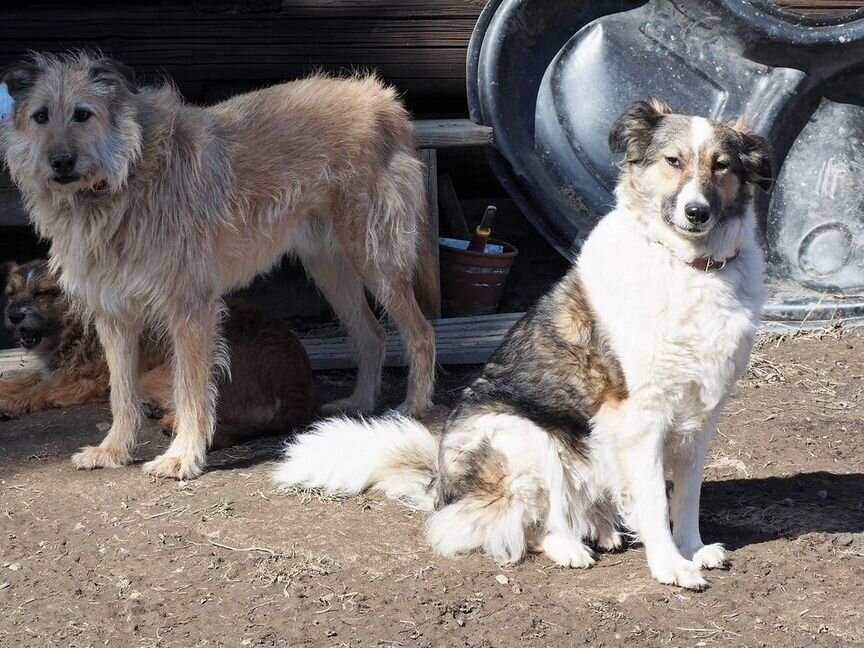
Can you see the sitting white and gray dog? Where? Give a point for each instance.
(614, 379)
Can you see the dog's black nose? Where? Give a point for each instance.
(62, 163)
(697, 213)
(16, 316)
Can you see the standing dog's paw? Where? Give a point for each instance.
(711, 556)
(414, 410)
(346, 406)
(682, 573)
(91, 457)
(173, 467)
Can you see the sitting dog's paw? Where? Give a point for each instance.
(610, 540)
(91, 457)
(173, 467)
(168, 425)
(566, 551)
(8, 410)
(152, 410)
(711, 556)
(683, 573)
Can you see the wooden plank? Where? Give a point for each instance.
(450, 133)
(821, 7)
(460, 341)
(13, 361)
(381, 8)
(430, 164)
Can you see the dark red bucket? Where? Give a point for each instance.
(472, 282)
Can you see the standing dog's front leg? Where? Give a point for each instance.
(120, 339)
(640, 453)
(687, 469)
(194, 332)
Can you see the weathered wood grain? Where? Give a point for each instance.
(419, 46)
(821, 7)
(430, 164)
(460, 340)
(450, 133)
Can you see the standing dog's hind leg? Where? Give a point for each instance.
(397, 296)
(341, 286)
(120, 339)
(195, 335)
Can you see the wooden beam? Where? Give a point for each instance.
(460, 341)
(430, 162)
(451, 133)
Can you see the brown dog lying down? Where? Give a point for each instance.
(270, 389)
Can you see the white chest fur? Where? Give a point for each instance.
(683, 337)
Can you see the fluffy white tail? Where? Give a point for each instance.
(394, 455)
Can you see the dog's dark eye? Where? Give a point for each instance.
(81, 115)
(721, 165)
(673, 161)
(51, 292)
(40, 116)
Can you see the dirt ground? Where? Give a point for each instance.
(114, 558)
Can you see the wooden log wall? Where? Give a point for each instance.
(213, 49)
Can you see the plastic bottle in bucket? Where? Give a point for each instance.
(483, 231)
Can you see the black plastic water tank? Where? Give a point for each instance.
(550, 76)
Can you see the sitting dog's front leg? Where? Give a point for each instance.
(120, 340)
(194, 332)
(640, 453)
(687, 469)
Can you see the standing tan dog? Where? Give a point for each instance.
(155, 209)
(269, 391)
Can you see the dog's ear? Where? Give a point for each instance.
(755, 158)
(632, 132)
(114, 74)
(19, 78)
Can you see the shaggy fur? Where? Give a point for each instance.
(270, 388)
(614, 379)
(155, 208)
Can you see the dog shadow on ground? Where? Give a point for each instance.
(741, 512)
(54, 435)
